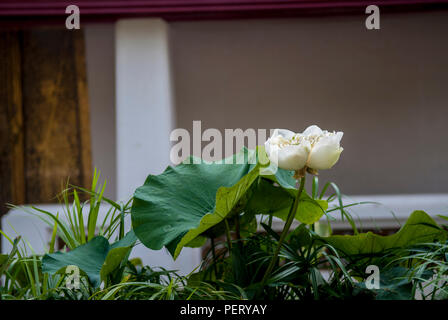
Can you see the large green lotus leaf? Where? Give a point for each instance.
(419, 228)
(228, 200)
(118, 254)
(308, 211)
(283, 178)
(276, 192)
(394, 285)
(275, 200)
(88, 257)
(97, 258)
(192, 200)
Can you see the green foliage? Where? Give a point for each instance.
(177, 206)
(81, 218)
(145, 283)
(296, 276)
(97, 259)
(427, 269)
(419, 228)
(231, 206)
(184, 205)
(7, 259)
(269, 199)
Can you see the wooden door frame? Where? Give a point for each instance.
(34, 165)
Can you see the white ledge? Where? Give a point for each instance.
(391, 211)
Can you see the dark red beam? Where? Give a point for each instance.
(47, 11)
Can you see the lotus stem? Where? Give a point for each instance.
(215, 268)
(287, 226)
(237, 227)
(229, 238)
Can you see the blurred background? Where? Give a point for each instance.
(109, 94)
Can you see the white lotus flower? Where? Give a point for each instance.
(286, 151)
(325, 147)
(314, 149)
